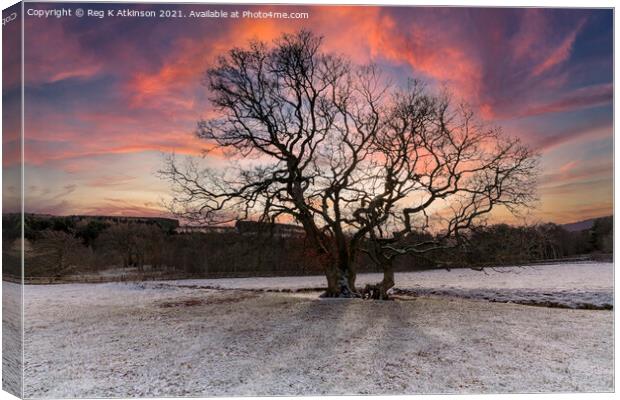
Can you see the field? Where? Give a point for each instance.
(179, 338)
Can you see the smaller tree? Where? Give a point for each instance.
(118, 241)
(89, 231)
(135, 245)
(602, 235)
(57, 253)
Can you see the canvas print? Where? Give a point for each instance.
(248, 200)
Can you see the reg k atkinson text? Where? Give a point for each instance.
(161, 13)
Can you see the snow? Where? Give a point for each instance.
(11, 338)
(578, 285)
(178, 338)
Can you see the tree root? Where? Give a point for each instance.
(375, 292)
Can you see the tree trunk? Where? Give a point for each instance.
(340, 281)
(338, 271)
(379, 291)
(331, 274)
(341, 277)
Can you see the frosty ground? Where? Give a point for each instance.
(179, 338)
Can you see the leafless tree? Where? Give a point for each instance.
(57, 252)
(360, 163)
(136, 245)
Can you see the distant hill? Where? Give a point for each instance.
(581, 225)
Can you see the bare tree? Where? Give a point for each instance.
(57, 252)
(135, 245)
(358, 162)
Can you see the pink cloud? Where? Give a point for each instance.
(577, 171)
(585, 97)
(507, 64)
(56, 55)
(561, 53)
(111, 180)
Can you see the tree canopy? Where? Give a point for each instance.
(361, 163)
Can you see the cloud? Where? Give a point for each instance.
(596, 130)
(563, 215)
(124, 207)
(561, 53)
(56, 54)
(118, 88)
(38, 155)
(575, 171)
(111, 180)
(585, 97)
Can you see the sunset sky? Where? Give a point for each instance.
(105, 98)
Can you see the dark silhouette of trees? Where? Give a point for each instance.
(150, 251)
(58, 252)
(359, 163)
(136, 245)
(602, 235)
(11, 245)
(88, 231)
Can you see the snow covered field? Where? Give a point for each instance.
(11, 338)
(179, 338)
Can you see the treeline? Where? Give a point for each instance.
(503, 244)
(61, 246)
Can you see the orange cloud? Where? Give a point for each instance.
(39, 155)
(446, 62)
(135, 95)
